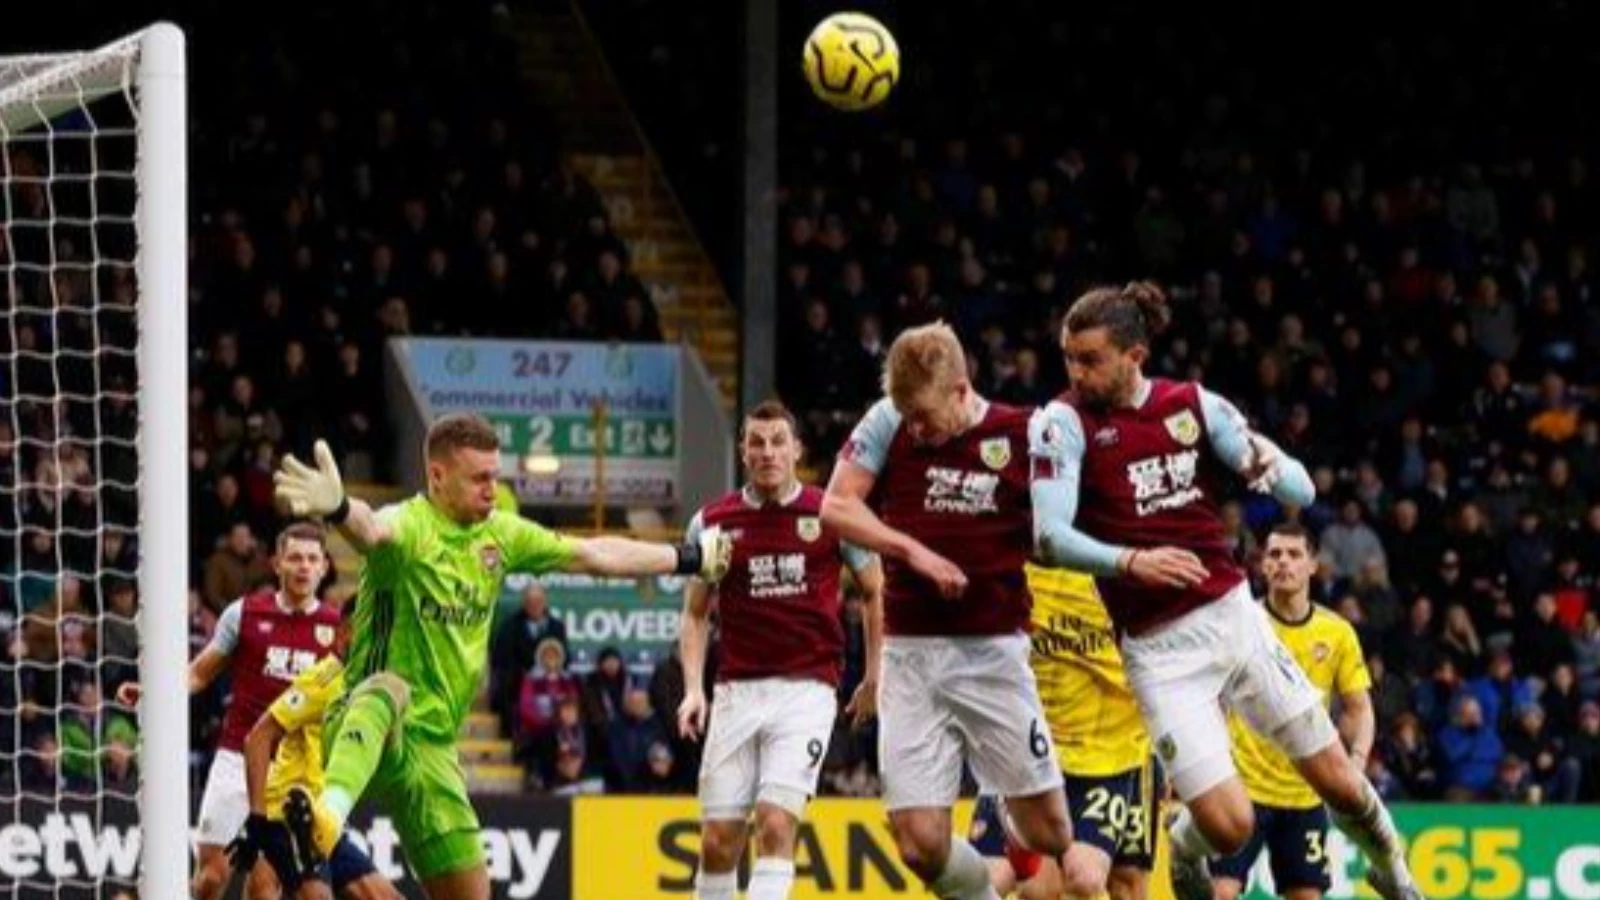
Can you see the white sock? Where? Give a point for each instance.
(1373, 831)
(339, 803)
(965, 875)
(716, 885)
(770, 879)
(1187, 837)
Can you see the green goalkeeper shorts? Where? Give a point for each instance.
(420, 786)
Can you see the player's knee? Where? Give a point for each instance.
(1224, 889)
(262, 883)
(923, 847)
(1231, 835)
(209, 878)
(1126, 883)
(1045, 830)
(775, 831)
(721, 843)
(372, 887)
(390, 686)
(1084, 875)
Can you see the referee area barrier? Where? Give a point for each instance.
(643, 848)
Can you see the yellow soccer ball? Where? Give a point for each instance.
(851, 61)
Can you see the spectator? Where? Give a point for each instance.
(1460, 641)
(1542, 640)
(660, 775)
(513, 652)
(1557, 776)
(1500, 691)
(544, 689)
(1585, 749)
(630, 737)
(235, 568)
(1530, 555)
(1415, 649)
(1471, 751)
(1434, 698)
(1391, 693)
(1561, 700)
(1586, 654)
(1513, 783)
(1349, 543)
(572, 776)
(603, 692)
(1411, 551)
(119, 632)
(1407, 753)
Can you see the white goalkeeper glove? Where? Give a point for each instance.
(312, 493)
(1263, 471)
(708, 556)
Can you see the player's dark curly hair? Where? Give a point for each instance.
(1132, 314)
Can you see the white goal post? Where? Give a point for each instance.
(76, 244)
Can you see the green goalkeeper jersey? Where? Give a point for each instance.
(427, 601)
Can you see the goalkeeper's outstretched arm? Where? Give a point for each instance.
(706, 556)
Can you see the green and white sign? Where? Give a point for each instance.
(1465, 852)
(640, 617)
(542, 396)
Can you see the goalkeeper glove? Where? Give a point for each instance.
(312, 493)
(708, 556)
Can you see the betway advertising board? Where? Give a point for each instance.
(634, 848)
(542, 395)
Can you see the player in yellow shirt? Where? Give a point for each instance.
(1291, 822)
(284, 750)
(1111, 781)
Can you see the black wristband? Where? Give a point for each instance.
(689, 559)
(341, 513)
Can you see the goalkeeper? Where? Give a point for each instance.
(434, 566)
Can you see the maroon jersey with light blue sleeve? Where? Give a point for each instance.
(267, 644)
(778, 606)
(1147, 476)
(966, 500)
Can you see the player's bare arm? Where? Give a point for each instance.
(1056, 446)
(259, 748)
(845, 510)
(203, 671)
(694, 634)
(863, 704)
(706, 557)
(1357, 725)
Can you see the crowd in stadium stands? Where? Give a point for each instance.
(343, 192)
(1400, 293)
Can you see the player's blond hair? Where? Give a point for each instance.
(923, 357)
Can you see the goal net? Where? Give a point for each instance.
(93, 495)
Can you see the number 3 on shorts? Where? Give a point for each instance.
(1038, 744)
